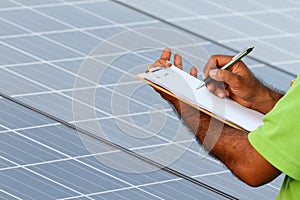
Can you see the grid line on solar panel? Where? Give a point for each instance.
(146, 131)
(84, 10)
(182, 8)
(39, 58)
(70, 29)
(66, 155)
(191, 29)
(59, 160)
(151, 133)
(6, 113)
(13, 117)
(87, 120)
(243, 35)
(151, 184)
(169, 141)
(43, 177)
(38, 4)
(263, 10)
(97, 57)
(72, 90)
(92, 155)
(9, 195)
(65, 23)
(106, 112)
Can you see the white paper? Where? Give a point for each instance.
(184, 85)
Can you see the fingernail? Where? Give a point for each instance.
(213, 72)
(168, 61)
(193, 72)
(221, 95)
(210, 88)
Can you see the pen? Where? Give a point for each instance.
(234, 60)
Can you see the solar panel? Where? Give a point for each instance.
(75, 123)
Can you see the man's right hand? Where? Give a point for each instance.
(239, 84)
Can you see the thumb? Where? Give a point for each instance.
(223, 75)
(193, 72)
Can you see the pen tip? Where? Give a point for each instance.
(200, 86)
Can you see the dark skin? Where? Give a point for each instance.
(231, 146)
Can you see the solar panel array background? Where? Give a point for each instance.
(42, 46)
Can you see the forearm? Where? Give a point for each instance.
(273, 98)
(217, 137)
(229, 145)
(266, 99)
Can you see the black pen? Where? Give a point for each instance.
(234, 60)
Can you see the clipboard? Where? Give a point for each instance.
(182, 86)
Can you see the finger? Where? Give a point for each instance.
(178, 61)
(224, 75)
(166, 54)
(214, 62)
(217, 89)
(211, 64)
(227, 93)
(220, 93)
(211, 86)
(164, 59)
(165, 63)
(227, 90)
(222, 60)
(194, 72)
(161, 62)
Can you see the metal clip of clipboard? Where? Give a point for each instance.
(160, 71)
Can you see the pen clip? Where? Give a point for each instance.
(160, 71)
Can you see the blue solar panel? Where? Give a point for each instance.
(49, 160)
(138, 148)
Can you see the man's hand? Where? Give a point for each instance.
(239, 84)
(164, 61)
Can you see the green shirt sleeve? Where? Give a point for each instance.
(278, 139)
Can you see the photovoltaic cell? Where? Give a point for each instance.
(28, 20)
(9, 29)
(57, 165)
(10, 56)
(40, 48)
(76, 40)
(74, 16)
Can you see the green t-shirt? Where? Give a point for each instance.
(278, 140)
